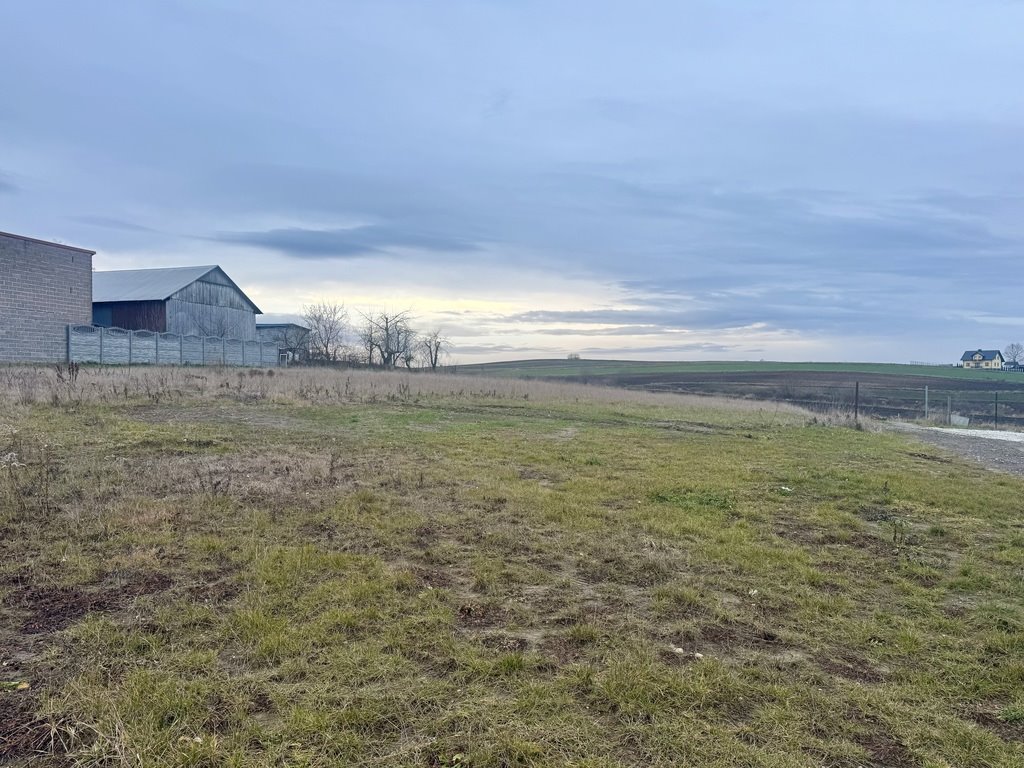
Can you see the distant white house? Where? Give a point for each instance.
(982, 358)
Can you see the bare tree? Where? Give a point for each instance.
(1014, 352)
(433, 345)
(368, 341)
(388, 337)
(327, 322)
(294, 339)
(410, 348)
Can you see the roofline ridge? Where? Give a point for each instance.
(48, 242)
(148, 269)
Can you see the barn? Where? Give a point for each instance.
(44, 287)
(292, 340)
(198, 301)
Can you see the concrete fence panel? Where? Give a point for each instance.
(269, 352)
(117, 346)
(251, 353)
(84, 343)
(233, 352)
(169, 349)
(213, 350)
(192, 350)
(144, 347)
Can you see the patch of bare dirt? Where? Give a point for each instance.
(930, 457)
(886, 751)
(562, 648)
(849, 667)
(475, 614)
(320, 529)
(729, 638)
(218, 589)
(53, 608)
(23, 735)
(508, 642)
(884, 748)
(741, 635)
(1007, 731)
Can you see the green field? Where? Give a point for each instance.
(599, 368)
(210, 568)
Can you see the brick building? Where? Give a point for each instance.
(44, 287)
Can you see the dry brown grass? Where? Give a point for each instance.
(58, 385)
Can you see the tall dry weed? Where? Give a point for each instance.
(23, 385)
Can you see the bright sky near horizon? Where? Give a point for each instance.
(794, 180)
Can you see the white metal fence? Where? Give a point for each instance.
(117, 346)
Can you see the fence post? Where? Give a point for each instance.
(997, 411)
(856, 403)
(204, 349)
(181, 349)
(68, 330)
(926, 402)
(949, 410)
(223, 351)
(156, 354)
(131, 335)
(102, 331)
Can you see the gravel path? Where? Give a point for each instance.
(1001, 451)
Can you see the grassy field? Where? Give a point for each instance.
(203, 568)
(607, 368)
(884, 390)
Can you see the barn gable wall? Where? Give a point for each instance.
(208, 291)
(204, 318)
(212, 306)
(44, 287)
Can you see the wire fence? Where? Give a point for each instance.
(117, 346)
(979, 406)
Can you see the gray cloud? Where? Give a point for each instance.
(621, 330)
(705, 175)
(775, 311)
(300, 243)
(490, 349)
(107, 222)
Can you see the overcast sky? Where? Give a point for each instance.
(791, 180)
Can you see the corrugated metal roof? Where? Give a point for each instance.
(154, 284)
(144, 284)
